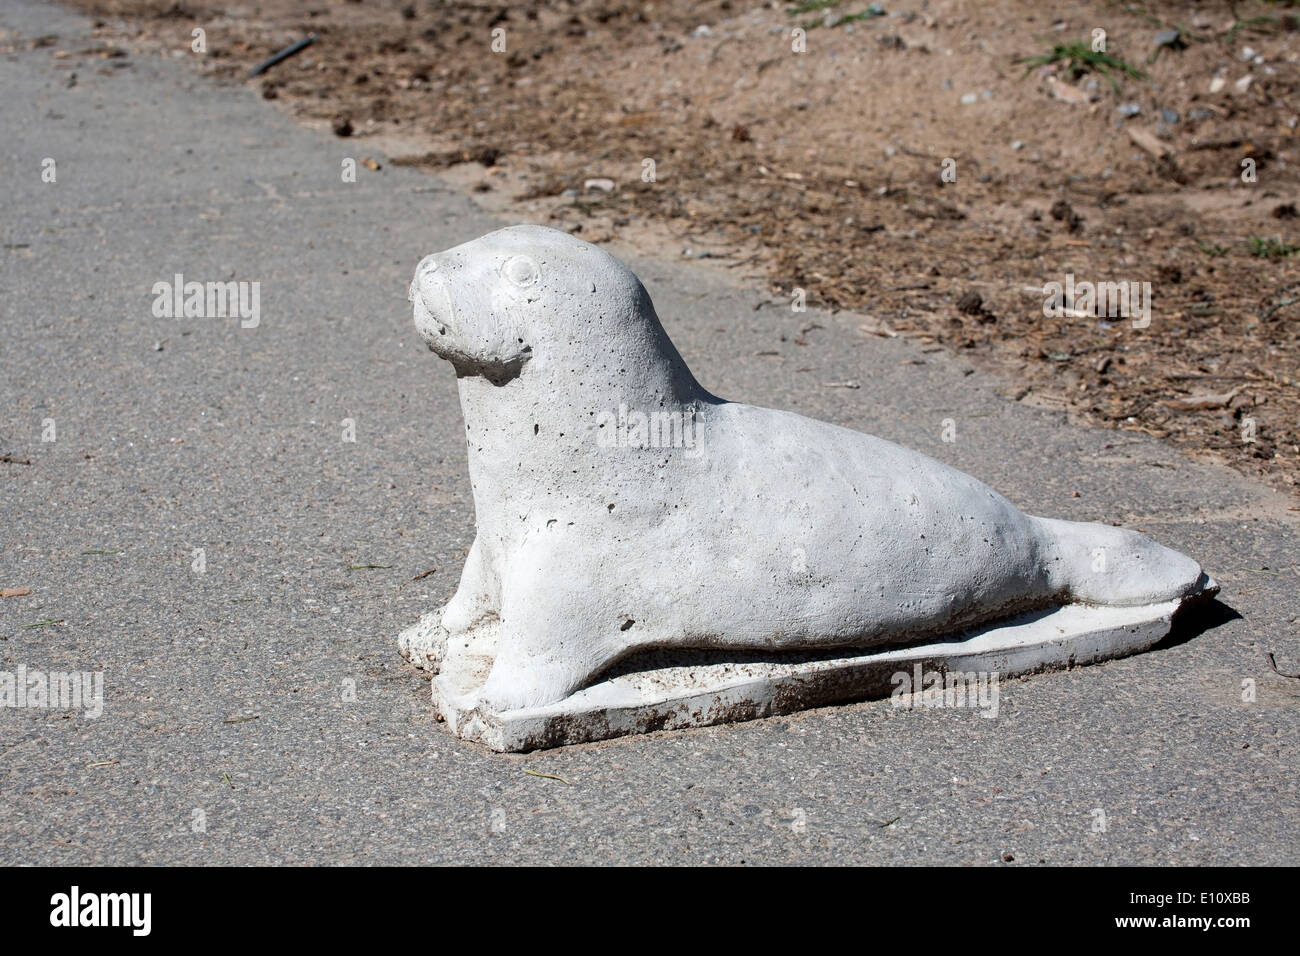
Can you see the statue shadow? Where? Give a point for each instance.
(1191, 621)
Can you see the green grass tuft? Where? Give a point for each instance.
(814, 6)
(1080, 58)
(1272, 248)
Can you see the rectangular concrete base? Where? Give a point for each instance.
(696, 689)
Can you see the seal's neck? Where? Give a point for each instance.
(539, 441)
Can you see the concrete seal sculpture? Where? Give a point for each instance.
(650, 556)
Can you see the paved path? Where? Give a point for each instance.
(173, 435)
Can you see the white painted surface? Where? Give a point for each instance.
(622, 508)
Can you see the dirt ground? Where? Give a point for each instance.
(824, 170)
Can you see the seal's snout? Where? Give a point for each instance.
(426, 274)
(434, 311)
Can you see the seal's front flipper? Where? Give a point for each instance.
(424, 643)
(477, 596)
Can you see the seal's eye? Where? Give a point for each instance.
(521, 271)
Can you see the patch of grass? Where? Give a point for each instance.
(1272, 248)
(1211, 249)
(871, 13)
(814, 6)
(1140, 10)
(1080, 58)
(1252, 25)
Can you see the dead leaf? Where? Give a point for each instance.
(1149, 142)
(15, 592)
(1067, 93)
(1193, 403)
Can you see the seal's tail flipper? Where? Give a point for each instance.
(1099, 564)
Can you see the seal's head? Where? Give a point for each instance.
(529, 294)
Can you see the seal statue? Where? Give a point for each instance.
(621, 507)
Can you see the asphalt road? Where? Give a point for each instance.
(227, 733)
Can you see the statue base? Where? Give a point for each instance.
(673, 690)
